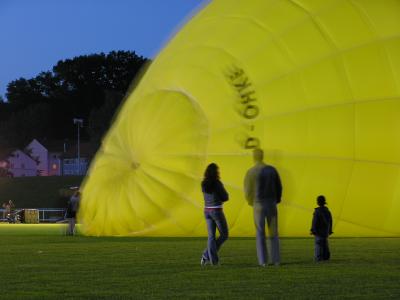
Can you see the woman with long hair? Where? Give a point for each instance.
(214, 196)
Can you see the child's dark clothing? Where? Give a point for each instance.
(321, 228)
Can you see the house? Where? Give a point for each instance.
(47, 158)
(39, 153)
(48, 154)
(18, 164)
(62, 156)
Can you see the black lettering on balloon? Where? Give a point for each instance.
(242, 84)
(252, 143)
(247, 98)
(235, 73)
(246, 105)
(250, 112)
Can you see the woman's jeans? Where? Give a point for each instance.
(215, 219)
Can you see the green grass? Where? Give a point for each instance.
(37, 262)
(37, 192)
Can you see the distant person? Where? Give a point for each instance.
(321, 228)
(263, 191)
(72, 210)
(8, 212)
(11, 206)
(214, 196)
(8, 208)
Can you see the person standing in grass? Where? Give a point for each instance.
(263, 191)
(8, 210)
(321, 228)
(72, 210)
(214, 196)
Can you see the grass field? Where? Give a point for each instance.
(38, 262)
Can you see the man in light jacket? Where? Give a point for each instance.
(263, 191)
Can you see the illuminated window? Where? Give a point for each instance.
(54, 166)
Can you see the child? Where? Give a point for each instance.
(321, 228)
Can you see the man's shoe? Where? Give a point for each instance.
(203, 261)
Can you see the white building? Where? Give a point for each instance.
(20, 164)
(55, 158)
(39, 153)
(49, 162)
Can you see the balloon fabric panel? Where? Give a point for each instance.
(316, 84)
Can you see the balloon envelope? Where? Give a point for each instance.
(316, 84)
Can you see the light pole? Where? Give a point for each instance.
(79, 123)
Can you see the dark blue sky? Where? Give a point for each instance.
(35, 34)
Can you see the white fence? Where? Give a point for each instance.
(46, 215)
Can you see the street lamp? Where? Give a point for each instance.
(79, 124)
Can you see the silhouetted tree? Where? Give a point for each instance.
(100, 118)
(22, 126)
(44, 106)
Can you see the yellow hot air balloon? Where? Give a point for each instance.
(316, 84)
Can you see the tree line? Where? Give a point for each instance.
(90, 87)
